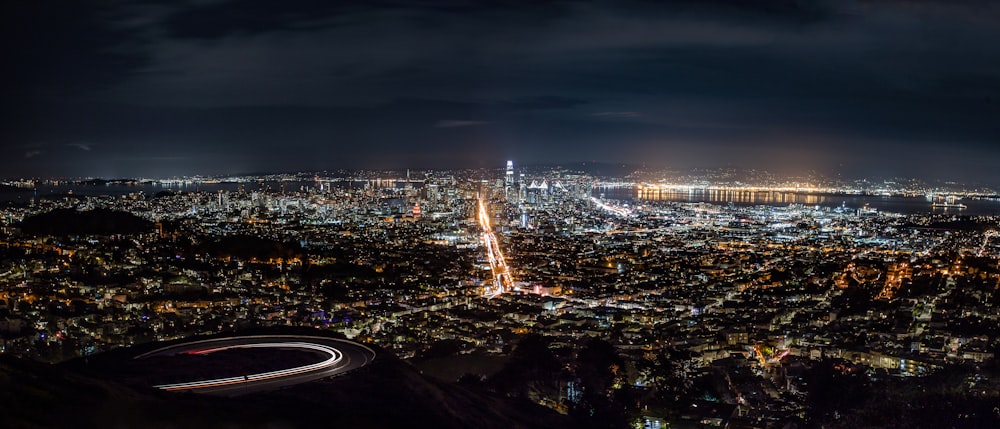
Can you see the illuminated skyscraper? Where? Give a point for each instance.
(509, 181)
(522, 191)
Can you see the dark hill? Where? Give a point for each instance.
(389, 393)
(246, 247)
(90, 222)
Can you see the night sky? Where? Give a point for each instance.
(164, 88)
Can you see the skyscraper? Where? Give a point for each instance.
(509, 181)
(522, 190)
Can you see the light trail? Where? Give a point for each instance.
(338, 360)
(774, 359)
(502, 280)
(335, 357)
(619, 211)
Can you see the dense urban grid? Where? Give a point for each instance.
(766, 303)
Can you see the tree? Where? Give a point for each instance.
(532, 368)
(601, 374)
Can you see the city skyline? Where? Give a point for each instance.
(147, 89)
(580, 300)
(500, 214)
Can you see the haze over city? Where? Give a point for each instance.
(159, 89)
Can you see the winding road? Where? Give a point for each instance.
(340, 356)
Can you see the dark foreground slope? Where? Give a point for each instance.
(387, 393)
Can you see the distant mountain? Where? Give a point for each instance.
(90, 222)
(599, 169)
(101, 392)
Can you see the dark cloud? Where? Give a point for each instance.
(209, 86)
(616, 115)
(453, 123)
(547, 102)
(796, 12)
(211, 20)
(53, 50)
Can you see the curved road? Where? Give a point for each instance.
(340, 356)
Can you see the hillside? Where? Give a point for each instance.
(89, 222)
(388, 393)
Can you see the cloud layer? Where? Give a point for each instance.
(868, 87)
